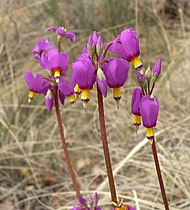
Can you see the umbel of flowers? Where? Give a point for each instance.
(92, 67)
(143, 103)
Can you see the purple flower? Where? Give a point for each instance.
(35, 84)
(149, 109)
(157, 68)
(61, 31)
(126, 45)
(84, 74)
(68, 88)
(49, 100)
(91, 205)
(116, 72)
(56, 62)
(41, 46)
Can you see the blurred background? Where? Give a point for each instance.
(33, 172)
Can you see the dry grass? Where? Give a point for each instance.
(33, 173)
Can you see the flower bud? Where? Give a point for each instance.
(148, 74)
(156, 70)
(99, 46)
(141, 79)
(49, 101)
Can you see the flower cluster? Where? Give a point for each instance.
(143, 103)
(92, 66)
(55, 64)
(91, 204)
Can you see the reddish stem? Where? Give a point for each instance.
(154, 151)
(67, 157)
(105, 146)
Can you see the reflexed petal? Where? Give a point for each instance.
(149, 110)
(71, 36)
(29, 78)
(130, 42)
(82, 200)
(54, 60)
(130, 208)
(118, 48)
(84, 73)
(116, 72)
(49, 101)
(52, 28)
(67, 88)
(62, 97)
(157, 68)
(103, 86)
(61, 31)
(136, 99)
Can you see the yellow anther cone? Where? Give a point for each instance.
(85, 97)
(77, 91)
(150, 134)
(137, 63)
(117, 95)
(31, 96)
(72, 99)
(57, 75)
(137, 121)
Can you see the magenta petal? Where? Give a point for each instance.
(61, 31)
(67, 88)
(95, 37)
(84, 73)
(136, 99)
(29, 78)
(90, 41)
(62, 97)
(71, 36)
(118, 48)
(82, 200)
(130, 42)
(149, 109)
(116, 72)
(95, 197)
(130, 208)
(36, 84)
(52, 28)
(157, 68)
(49, 101)
(54, 60)
(103, 86)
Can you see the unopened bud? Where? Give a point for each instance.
(141, 79)
(148, 74)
